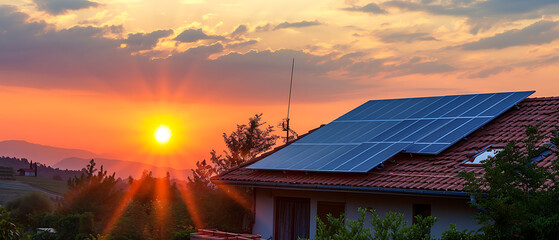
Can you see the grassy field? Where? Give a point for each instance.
(56, 186)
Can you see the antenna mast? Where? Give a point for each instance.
(286, 127)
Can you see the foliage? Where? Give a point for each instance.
(453, 234)
(518, 198)
(94, 191)
(245, 143)
(72, 226)
(156, 211)
(337, 229)
(29, 208)
(201, 175)
(8, 229)
(44, 236)
(390, 227)
(184, 234)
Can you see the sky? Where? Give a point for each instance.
(101, 75)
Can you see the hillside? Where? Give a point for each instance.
(43, 171)
(123, 169)
(44, 154)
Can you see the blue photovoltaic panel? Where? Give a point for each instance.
(368, 135)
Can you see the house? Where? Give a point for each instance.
(400, 155)
(28, 172)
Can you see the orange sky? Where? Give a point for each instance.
(102, 75)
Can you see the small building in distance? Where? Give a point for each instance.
(28, 172)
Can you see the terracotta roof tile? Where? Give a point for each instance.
(422, 172)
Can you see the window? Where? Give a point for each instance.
(421, 209)
(335, 208)
(483, 155)
(292, 218)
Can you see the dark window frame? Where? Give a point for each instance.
(421, 209)
(329, 204)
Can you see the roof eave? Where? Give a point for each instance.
(344, 188)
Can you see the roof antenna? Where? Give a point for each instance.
(286, 123)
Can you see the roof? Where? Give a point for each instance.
(26, 170)
(415, 173)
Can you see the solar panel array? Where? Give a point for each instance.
(370, 134)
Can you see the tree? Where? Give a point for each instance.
(29, 208)
(517, 198)
(94, 191)
(8, 229)
(243, 144)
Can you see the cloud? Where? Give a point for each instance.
(482, 15)
(472, 8)
(57, 7)
(406, 37)
(194, 35)
(239, 31)
(242, 44)
(38, 55)
(489, 72)
(300, 24)
(541, 32)
(145, 41)
(369, 8)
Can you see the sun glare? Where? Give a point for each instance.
(162, 134)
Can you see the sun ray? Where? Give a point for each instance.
(134, 187)
(191, 205)
(236, 196)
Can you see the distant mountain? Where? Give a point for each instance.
(123, 169)
(47, 155)
(76, 159)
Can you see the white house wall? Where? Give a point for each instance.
(447, 210)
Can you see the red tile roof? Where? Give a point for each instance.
(417, 173)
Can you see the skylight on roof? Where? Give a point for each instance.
(483, 155)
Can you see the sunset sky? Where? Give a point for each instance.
(102, 75)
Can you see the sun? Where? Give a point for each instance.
(162, 134)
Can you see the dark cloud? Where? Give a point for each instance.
(242, 44)
(489, 72)
(239, 31)
(145, 41)
(369, 8)
(194, 35)
(405, 37)
(264, 28)
(56, 7)
(296, 24)
(472, 8)
(482, 15)
(35, 54)
(301, 24)
(541, 32)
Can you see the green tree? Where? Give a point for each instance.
(29, 209)
(8, 229)
(518, 199)
(243, 144)
(246, 142)
(144, 218)
(390, 227)
(95, 192)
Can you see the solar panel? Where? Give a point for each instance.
(368, 135)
